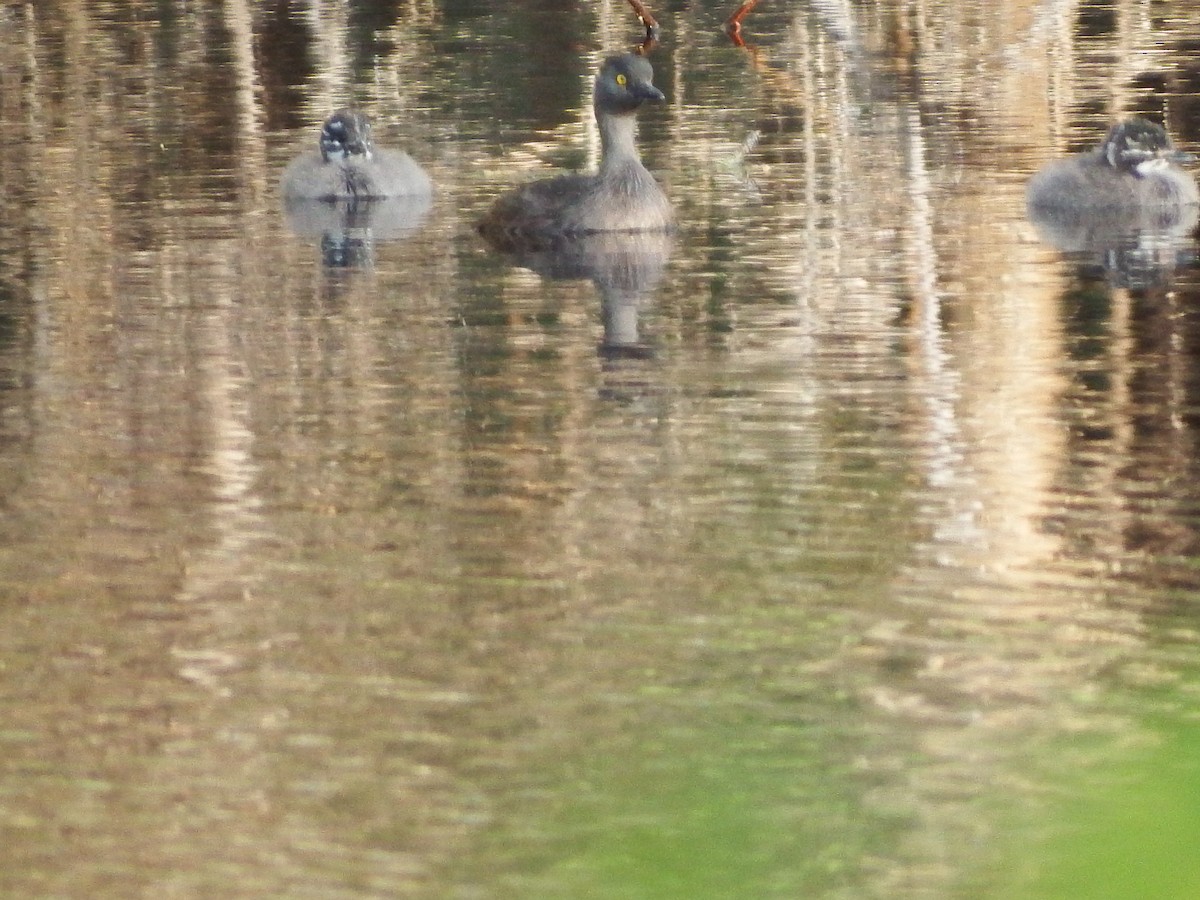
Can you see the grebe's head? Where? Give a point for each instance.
(345, 133)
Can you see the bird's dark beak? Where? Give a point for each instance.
(647, 91)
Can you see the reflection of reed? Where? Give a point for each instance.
(226, 564)
(946, 471)
(985, 350)
(329, 23)
(251, 146)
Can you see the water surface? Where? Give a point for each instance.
(843, 545)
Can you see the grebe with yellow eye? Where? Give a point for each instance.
(621, 196)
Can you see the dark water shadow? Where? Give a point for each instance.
(1137, 252)
(625, 268)
(348, 230)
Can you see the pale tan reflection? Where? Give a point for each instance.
(945, 472)
(328, 22)
(251, 145)
(992, 390)
(865, 198)
(392, 75)
(226, 565)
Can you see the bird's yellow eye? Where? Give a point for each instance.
(621, 79)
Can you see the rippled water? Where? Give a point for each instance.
(843, 545)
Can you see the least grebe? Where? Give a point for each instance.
(621, 196)
(347, 166)
(1134, 172)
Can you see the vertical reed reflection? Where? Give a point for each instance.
(384, 580)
